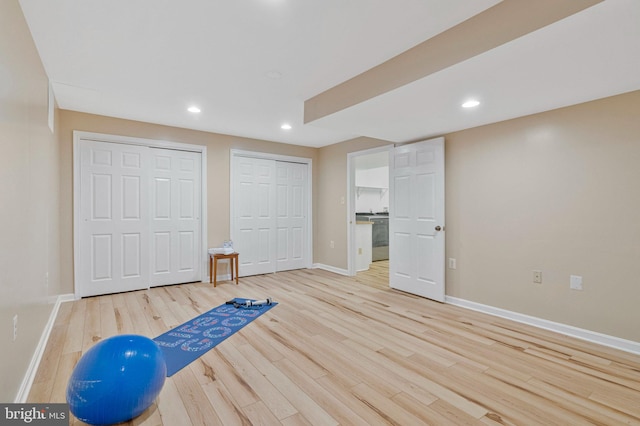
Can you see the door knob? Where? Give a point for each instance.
(438, 228)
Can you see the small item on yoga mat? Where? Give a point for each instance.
(249, 303)
(187, 342)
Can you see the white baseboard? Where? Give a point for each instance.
(30, 375)
(568, 330)
(330, 269)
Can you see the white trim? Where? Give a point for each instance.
(30, 375)
(568, 330)
(129, 140)
(330, 269)
(351, 201)
(277, 157)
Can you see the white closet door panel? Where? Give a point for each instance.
(186, 196)
(162, 197)
(131, 193)
(131, 255)
(175, 221)
(265, 246)
(291, 220)
(113, 233)
(282, 243)
(101, 195)
(162, 258)
(297, 238)
(269, 214)
(187, 255)
(254, 192)
(101, 257)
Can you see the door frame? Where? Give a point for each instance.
(277, 157)
(79, 136)
(351, 201)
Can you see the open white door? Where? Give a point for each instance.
(416, 219)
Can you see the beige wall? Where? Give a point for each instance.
(556, 192)
(218, 156)
(29, 200)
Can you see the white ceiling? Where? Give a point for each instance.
(589, 55)
(148, 60)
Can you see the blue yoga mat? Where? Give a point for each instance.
(189, 341)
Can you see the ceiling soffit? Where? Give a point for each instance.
(500, 24)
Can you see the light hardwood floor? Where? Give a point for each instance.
(339, 350)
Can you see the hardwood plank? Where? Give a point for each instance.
(339, 411)
(224, 405)
(268, 393)
(296, 396)
(75, 327)
(171, 407)
(349, 350)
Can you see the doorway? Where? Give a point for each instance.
(416, 241)
(368, 210)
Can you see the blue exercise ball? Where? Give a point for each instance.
(116, 380)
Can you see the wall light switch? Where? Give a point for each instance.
(452, 263)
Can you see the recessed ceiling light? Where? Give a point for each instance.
(286, 126)
(470, 103)
(193, 109)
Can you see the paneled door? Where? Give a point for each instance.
(416, 220)
(253, 196)
(291, 215)
(114, 233)
(174, 216)
(270, 227)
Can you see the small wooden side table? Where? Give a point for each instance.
(213, 265)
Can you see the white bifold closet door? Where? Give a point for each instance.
(114, 232)
(139, 218)
(270, 215)
(291, 215)
(175, 216)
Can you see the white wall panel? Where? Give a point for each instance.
(131, 256)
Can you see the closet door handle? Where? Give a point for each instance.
(438, 228)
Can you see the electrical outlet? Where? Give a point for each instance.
(537, 277)
(15, 327)
(332, 244)
(452, 263)
(575, 282)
